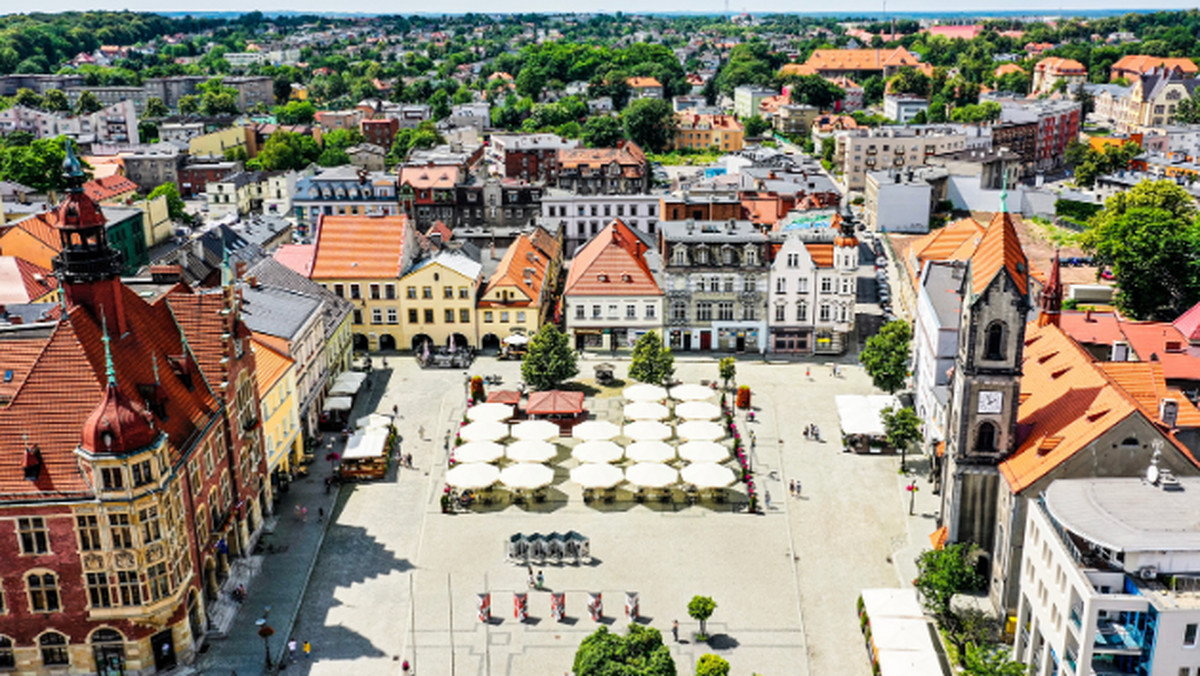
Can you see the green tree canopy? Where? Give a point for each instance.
(602, 131)
(886, 355)
(1150, 237)
(700, 608)
(287, 150)
(176, 208)
(549, 361)
(155, 107)
(87, 103)
(712, 665)
(56, 100)
(902, 426)
(814, 90)
(189, 104)
(727, 370)
(641, 652)
(754, 126)
(1094, 163)
(991, 661)
(910, 81)
(650, 123)
(652, 362)
(942, 573)
(295, 112)
(37, 165)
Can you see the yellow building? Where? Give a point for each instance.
(216, 144)
(522, 293)
(702, 132)
(275, 374)
(439, 301)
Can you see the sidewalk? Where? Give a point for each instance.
(921, 522)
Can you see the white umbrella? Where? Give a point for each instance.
(703, 451)
(479, 451)
(647, 430)
(529, 450)
(490, 411)
(472, 475)
(698, 410)
(535, 430)
(646, 410)
(516, 339)
(644, 392)
(651, 475)
(700, 430)
(483, 430)
(691, 392)
(708, 475)
(597, 451)
(373, 420)
(597, 475)
(595, 430)
(650, 451)
(526, 475)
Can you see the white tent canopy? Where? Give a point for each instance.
(492, 411)
(860, 413)
(516, 339)
(535, 430)
(595, 430)
(651, 475)
(647, 430)
(373, 420)
(338, 404)
(479, 451)
(484, 430)
(703, 451)
(472, 475)
(700, 430)
(530, 450)
(650, 451)
(597, 475)
(646, 410)
(526, 475)
(698, 410)
(708, 475)
(691, 392)
(369, 443)
(597, 451)
(644, 392)
(347, 384)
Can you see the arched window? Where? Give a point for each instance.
(8, 660)
(994, 343)
(106, 635)
(985, 438)
(54, 649)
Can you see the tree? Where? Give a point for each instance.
(37, 165)
(650, 123)
(641, 652)
(815, 91)
(87, 103)
(712, 665)
(189, 104)
(754, 126)
(886, 355)
(287, 150)
(1187, 112)
(440, 105)
(176, 208)
(549, 360)
(295, 112)
(910, 81)
(1150, 237)
(56, 100)
(902, 427)
(873, 90)
(942, 573)
(28, 98)
(991, 661)
(988, 111)
(340, 139)
(700, 608)
(727, 369)
(155, 107)
(1016, 82)
(602, 131)
(652, 362)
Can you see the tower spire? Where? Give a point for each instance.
(1004, 193)
(110, 371)
(1051, 305)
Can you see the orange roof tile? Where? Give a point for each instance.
(270, 364)
(861, 59)
(1163, 343)
(626, 154)
(22, 281)
(797, 69)
(612, 263)
(643, 82)
(554, 402)
(109, 187)
(522, 256)
(19, 354)
(441, 176)
(1057, 65)
(1142, 63)
(999, 249)
(1007, 68)
(954, 242)
(822, 254)
(353, 247)
(1146, 384)
(1091, 328)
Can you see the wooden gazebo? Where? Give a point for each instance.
(558, 406)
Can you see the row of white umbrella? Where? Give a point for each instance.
(528, 475)
(686, 392)
(491, 430)
(688, 410)
(592, 430)
(592, 451)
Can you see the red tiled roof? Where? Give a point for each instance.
(999, 249)
(504, 397)
(355, 247)
(523, 254)
(1163, 343)
(955, 242)
(643, 82)
(1091, 328)
(1059, 66)
(1144, 64)
(822, 254)
(1188, 323)
(20, 352)
(442, 176)
(1008, 68)
(22, 281)
(269, 364)
(297, 257)
(109, 187)
(861, 59)
(957, 32)
(1145, 382)
(554, 402)
(613, 263)
(626, 154)
(797, 69)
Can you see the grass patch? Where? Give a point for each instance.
(685, 157)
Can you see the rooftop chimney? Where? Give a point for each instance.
(1168, 411)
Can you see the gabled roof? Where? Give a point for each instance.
(109, 187)
(861, 59)
(1142, 63)
(554, 402)
(1146, 383)
(22, 281)
(612, 263)
(642, 82)
(334, 309)
(956, 241)
(297, 257)
(354, 247)
(277, 312)
(1007, 68)
(270, 364)
(1163, 343)
(999, 250)
(522, 255)
(441, 176)
(626, 154)
(821, 254)
(1060, 66)
(1188, 323)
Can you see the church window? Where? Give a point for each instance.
(994, 344)
(985, 438)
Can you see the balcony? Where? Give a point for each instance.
(1076, 611)
(1116, 639)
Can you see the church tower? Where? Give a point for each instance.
(985, 389)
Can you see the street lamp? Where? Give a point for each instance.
(266, 632)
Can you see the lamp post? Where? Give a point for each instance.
(266, 632)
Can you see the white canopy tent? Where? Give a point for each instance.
(516, 339)
(647, 430)
(595, 430)
(530, 450)
(703, 451)
(338, 404)
(535, 430)
(597, 475)
(644, 392)
(484, 430)
(472, 475)
(646, 410)
(691, 392)
(700, 430)
(698, 410)
(860, 413)
(650, 451)
(597, 451)
(490, 411)
(708, 475)
(368, 443)
(652, 475)
(479, 451)
(347, 384)
(373, 420)
(526, 475)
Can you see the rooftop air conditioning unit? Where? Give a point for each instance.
(1148, 572)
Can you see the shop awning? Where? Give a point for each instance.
(347, 384)
(369, 443)
(555, 402)
(860, 414)
(338, 404)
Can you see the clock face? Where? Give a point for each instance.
(991, 402)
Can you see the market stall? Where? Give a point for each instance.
(561, 407)
(336, 413)
(861, 420)
(366, 454)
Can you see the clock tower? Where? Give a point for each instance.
(985, 386)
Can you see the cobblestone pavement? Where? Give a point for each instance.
(397, 580)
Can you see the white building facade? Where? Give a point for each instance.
(813, 290)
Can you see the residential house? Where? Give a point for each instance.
(934, 345)
(861, 150)
(275, 379)
(1132, 66)
(903, 108)
(427, 193)
(813, 288)
(645, 88)
(529, 157)
(1049, 72)
(151, 166)
(224, 143)
(522, 294)
(746, 99)
(603, 171)
(115, 188)
(116, 123)
(477, 115)
(580, 217)
(438, 306)
(612, 294)
(795, 118)
(236, 194)
(194, 175)
(344, 191)
(23, 282)
(367, 156)
(705, 132)
(902, 200)
(252, 90)
(834, 62)
(1058, 122)
(380, 131)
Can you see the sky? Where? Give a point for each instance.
(1036, 7)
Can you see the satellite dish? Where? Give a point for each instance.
(1152, 474)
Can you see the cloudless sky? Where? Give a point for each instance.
(1035, 7)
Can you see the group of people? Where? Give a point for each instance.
(292, 648)
(812, 432)
(536, 582)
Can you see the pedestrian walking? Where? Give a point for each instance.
(405, 666)
(307, 650)
(421, 432)
(767, 498)
(532, 580)
(797, 488)
(675, 630)
(541, 580)
(296, 512)
(292, 648)
(792, 487)
(304, 514)
(320, 514)
(395, 409)
(808, 372)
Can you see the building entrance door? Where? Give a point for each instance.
(706, 340)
